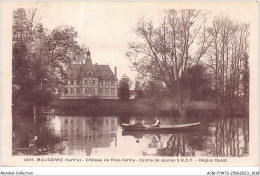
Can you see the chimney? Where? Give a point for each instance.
(115, 72)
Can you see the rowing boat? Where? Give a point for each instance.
(188, 126)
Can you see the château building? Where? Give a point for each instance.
(90, 81)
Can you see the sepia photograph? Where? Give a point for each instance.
(140, 80)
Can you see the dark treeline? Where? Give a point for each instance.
(187, 57)
(39, 58)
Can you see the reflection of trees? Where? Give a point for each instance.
(169, 144)
(175, 144)
(179, 145)
(229, 137)
(222, 138)
(45, 133)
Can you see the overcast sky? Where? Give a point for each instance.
(106, 28)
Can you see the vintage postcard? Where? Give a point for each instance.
(129, 84)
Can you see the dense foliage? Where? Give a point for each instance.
(124, 88)
(39, 59)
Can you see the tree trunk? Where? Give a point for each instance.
(182, 111)
(181, 101)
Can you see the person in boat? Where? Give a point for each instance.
(156, 123)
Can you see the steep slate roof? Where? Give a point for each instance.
(101, 71)
(104, 70)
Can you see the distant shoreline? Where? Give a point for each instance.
(132, 107)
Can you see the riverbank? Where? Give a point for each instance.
(136, 107)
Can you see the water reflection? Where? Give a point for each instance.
(72, 135)
(79, 135)
(169, 144)
(227, 137)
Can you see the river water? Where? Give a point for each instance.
(103, 136)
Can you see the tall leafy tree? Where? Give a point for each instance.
(124, 88)
(227, 59)
(39, 59)
(197, 81)
(138, 90)
(166, 50)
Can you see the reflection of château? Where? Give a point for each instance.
(86, 81)
(79, 135)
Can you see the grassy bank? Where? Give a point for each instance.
(136, 107)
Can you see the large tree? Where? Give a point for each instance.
(164, 51)
(39, 58)
(228, 62)
(124, 88)
(138, 90)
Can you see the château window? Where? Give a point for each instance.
(89, 83)
(107, 92)
(77, 82)
(89, 90)
(100, 91)
(71, 91)
(112, 91)
(93, 82)
(78, 91)
(66, 91)
(66, 82)
(106, 83)
(112, 83)
(93, 91)
(72, 76)
(100, 83)
(66, 133)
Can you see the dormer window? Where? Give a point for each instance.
(72, 76)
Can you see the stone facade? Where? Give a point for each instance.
(90, 81)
